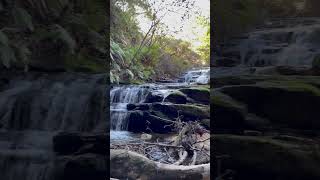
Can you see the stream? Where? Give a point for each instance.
(123, 96)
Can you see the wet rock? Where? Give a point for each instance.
(229, 115)
(200, 95)
(83, 167)
(142, 107)
(146, 136)
(176, 98)
(66, 143)
(188, 111)
(154, 97)
(290, 104)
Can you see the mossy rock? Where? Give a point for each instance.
(201, 95)
(228, 114)
(266, 158)
(188, 111)
(176, 97)
(287, 103)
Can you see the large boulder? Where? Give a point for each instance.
(286, 103)
(176, 98)
(228, 114)
(200, 95)
(266, 158)
(154, 97)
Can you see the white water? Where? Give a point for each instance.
(120, 97)
(33, 110)
(294, 45)
(199, 76)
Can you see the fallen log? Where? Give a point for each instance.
(130, 165)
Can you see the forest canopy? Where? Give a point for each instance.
(144, 47)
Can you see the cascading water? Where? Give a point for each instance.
(200, 76)
(34, 108)
(292, 45)
(120, 97)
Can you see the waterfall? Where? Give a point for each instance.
(120, 97)
(296, 43)
(200, 76)
(34, 107)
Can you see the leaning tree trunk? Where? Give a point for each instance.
(128, 164)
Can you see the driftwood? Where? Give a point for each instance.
(131, 165)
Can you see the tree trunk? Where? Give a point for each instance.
(128, 164)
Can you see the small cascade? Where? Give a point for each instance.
(279, 42)
(120, 97)
(34, 107)
(199, 76)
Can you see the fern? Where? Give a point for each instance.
(59, 33)
(4, 39)
(7, 55)
(23, 19)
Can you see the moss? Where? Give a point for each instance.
(292, 86)
(218, 98)
(259, 154)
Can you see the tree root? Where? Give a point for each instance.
(131, 165)
(182, 157)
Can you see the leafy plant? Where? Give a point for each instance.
(7, 55)
(23, 19)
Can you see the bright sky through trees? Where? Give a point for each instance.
(191, 31)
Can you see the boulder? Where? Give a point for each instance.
(154, 97)
(286, 103)
(176, 98)
(83, 167)
(143, 121)
(66, 143)
(188, 111)
(200, 95)
(264, 158)
(228, 114)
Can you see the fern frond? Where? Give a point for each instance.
(23, 19)
(63, 35)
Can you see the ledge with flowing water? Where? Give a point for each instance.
(144, 108)
(34, 109)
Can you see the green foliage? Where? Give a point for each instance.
(6, 52)
(58, 34)
(204, 48)
(54, 34)
(137, 56)
(23, 19)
